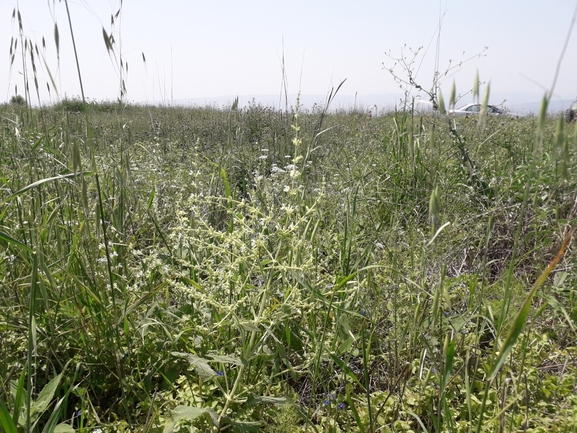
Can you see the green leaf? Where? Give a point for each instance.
(9, 239)
(523, 313)
(518, 326)
(19, 398)
(245, 426)
(345, 346)
(151, 198)
(248, 326)
(39, 406)
(226, 184)
(64, 428)
(50, 425)
(216, 418)
(49, 179)
(346, 369)
(187, 413)
(226, 359)
(6, 420)
(355, 412)
(449, 356)
(201, 366)
(418, 419)
(182, 413)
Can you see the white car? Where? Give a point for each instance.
(475, 109)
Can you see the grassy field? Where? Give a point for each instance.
(243, 270)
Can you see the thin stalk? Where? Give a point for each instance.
(75, 53)
(367, 380)
(102, 220)
(31, 340)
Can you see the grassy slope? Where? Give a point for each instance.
(235, 260)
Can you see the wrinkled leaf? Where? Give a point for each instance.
(226, 359)
(200, 365)
(182, 413)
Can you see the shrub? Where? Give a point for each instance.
(18, 100)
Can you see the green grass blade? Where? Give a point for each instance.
(151, 198)
(19, 399)
(449, 357)
(346, 369)
(9, 239)
(521, 318)
(226, 185)
(355, 412)
(6, 420)
(50, 179)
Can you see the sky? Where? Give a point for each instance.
(213, 50)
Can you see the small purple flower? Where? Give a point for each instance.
(327, 402)
(341, 405)
(219, 373)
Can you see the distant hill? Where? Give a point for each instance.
(555, 107)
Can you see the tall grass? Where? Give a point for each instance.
(243, 269)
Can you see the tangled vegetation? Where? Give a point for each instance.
(201, 269)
